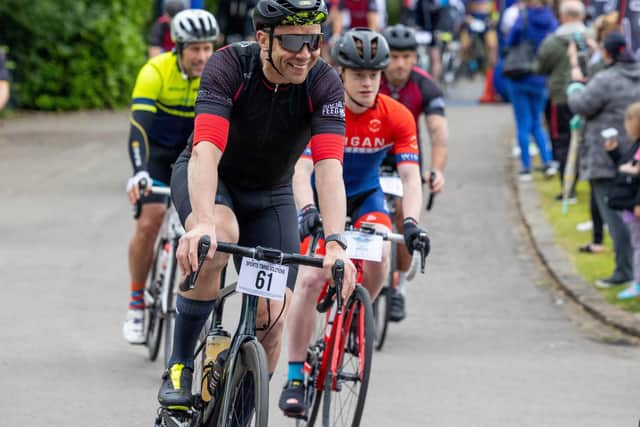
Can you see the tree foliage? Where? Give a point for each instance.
(74, 54)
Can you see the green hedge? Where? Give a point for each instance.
(73, 54)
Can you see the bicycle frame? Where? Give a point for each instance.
(333, 326)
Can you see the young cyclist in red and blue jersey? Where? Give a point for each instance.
(414, 88)
(375, 125)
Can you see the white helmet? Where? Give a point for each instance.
(193, 25)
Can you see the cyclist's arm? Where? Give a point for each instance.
(331, 195)
(143, 110)
(433, 108)
(220, 80)
(302, 191)
(411, 189)
(327, 147)
(372, 20)
(4, 82)
(203, 180)
(372, 15)
(438, 135)
(405, 148)
(337, 17)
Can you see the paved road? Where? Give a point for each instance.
(484, 343)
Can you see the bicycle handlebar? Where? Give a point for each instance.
(259, 253)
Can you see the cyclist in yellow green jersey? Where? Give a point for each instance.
(162, 112)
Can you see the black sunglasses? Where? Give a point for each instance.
(295, 42)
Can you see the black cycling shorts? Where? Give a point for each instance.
(265, 217)
(161, 160)
(438, 20)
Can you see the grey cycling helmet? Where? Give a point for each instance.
(193, 25)
(401, 37)
(269, 13)
(372, 55)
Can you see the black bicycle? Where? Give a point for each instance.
(241, 394)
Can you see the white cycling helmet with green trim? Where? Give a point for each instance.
(192, 26)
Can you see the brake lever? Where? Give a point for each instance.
(432, 194)
(203, 249)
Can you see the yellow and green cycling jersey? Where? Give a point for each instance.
(162, 90)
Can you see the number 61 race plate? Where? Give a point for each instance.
(262, 279)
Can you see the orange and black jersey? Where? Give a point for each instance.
(263, 128)
(387, 127)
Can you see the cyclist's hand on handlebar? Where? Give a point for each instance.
(415, 237)
(134, 184)
(333, 253)
(308, 221)
(187, 252)
(437, 184)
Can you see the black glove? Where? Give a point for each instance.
(308, 221)
(412, 237)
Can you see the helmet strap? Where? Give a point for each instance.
(272, 29)
(179, 48)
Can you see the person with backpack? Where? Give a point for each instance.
(528, 92)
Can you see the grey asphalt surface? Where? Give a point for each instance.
(484, 344)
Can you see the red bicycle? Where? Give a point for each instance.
(338, 362)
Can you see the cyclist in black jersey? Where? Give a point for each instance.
(259, 105)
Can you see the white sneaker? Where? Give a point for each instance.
(133, 329)
(551, 171)
(515, 151)
(585, 226)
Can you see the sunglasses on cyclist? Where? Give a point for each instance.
(295, 42)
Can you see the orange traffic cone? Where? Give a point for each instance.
(489, 94)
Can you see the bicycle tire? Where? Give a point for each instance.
(250, 365)
(170, 318)
(313, 395)
(382, 304)
(154, 320)
(381, 312)
(359, 301)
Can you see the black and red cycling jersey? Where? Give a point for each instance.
(420, 94)
(263, 128)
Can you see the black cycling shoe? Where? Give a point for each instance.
(397, 312)
(175, 392)
(292, 399)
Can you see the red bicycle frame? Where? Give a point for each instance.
(335, 336)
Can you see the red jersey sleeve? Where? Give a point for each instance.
(405, 141)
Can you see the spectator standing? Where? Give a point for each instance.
(553, 63)
(603, 25)
(4, 81)
(631, 216)
(528, 94)
(160, 34)
(602, 102)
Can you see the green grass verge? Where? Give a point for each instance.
(590, 266)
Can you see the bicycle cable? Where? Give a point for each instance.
(268, 327)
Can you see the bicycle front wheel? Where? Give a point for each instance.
(345, 395)
(153, 305)
(248, 403)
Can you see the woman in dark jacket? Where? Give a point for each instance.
(529, 94)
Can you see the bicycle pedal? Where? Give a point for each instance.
(173, 418)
